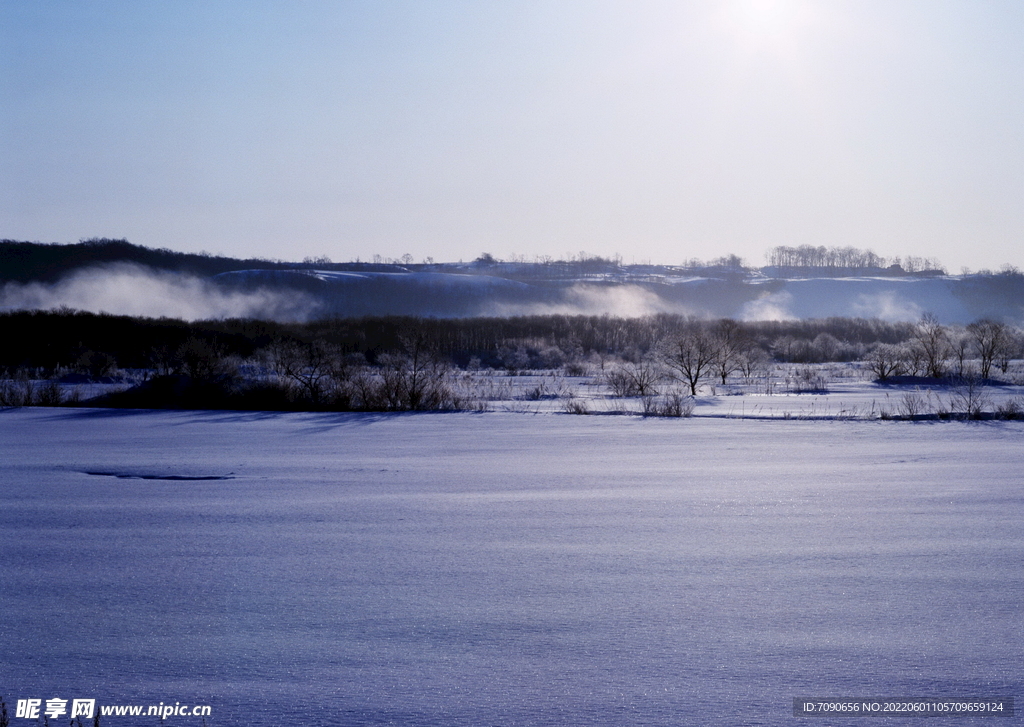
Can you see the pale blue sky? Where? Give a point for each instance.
(658, 130)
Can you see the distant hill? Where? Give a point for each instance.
(25, 262)
(35, 275)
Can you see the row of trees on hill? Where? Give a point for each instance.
(810, 256)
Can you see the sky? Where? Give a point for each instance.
(656, 130)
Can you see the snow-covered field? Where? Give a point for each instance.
(501, 568)
(813, 391)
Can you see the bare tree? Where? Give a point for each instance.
(310, 366)
(912, 359)
(162, 360)
(690, 355)
(961, 346)
(787, 348)
(729, 343)
(415, 379)
(824, 347)
(201, 360)
(933, 342)
(425, 372)
(97, 364)
(886, 361)
(967, 398)
(990, 338)
(753, 361)
(640, 378)
(1013, 347)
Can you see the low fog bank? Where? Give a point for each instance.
(302, 295)
(442, 295)
(953, 301)
(135, 290)
(888, 300)
(619, 301)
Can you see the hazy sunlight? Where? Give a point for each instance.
(767, 25)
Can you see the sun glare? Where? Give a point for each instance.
(767, 24)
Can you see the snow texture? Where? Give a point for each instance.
(501, 568)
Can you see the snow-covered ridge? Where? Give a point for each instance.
(341, 276)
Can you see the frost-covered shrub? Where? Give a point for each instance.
(514, 358)
(886, 361)
(576, 368)
(1011, 409)
(201, 361)
(808, 380)
(933, 344)
(551, 357)
(23, 391)
(639, 378)
(404, 383)
(752, 363)
(15, 393)
(824, 347)
(619, 384)
(1015, 374)
(673, 404)
(574, 405)
(537, 392)
(96, 364)
(911, 404)
(967, 398)
(49, 393)
(489, 389)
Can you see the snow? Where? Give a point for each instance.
(499, 568)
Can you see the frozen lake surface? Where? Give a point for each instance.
(501, 568)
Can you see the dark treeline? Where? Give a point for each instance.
(50, 340)
(405, 363)
(24, 262)
(61, 338)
